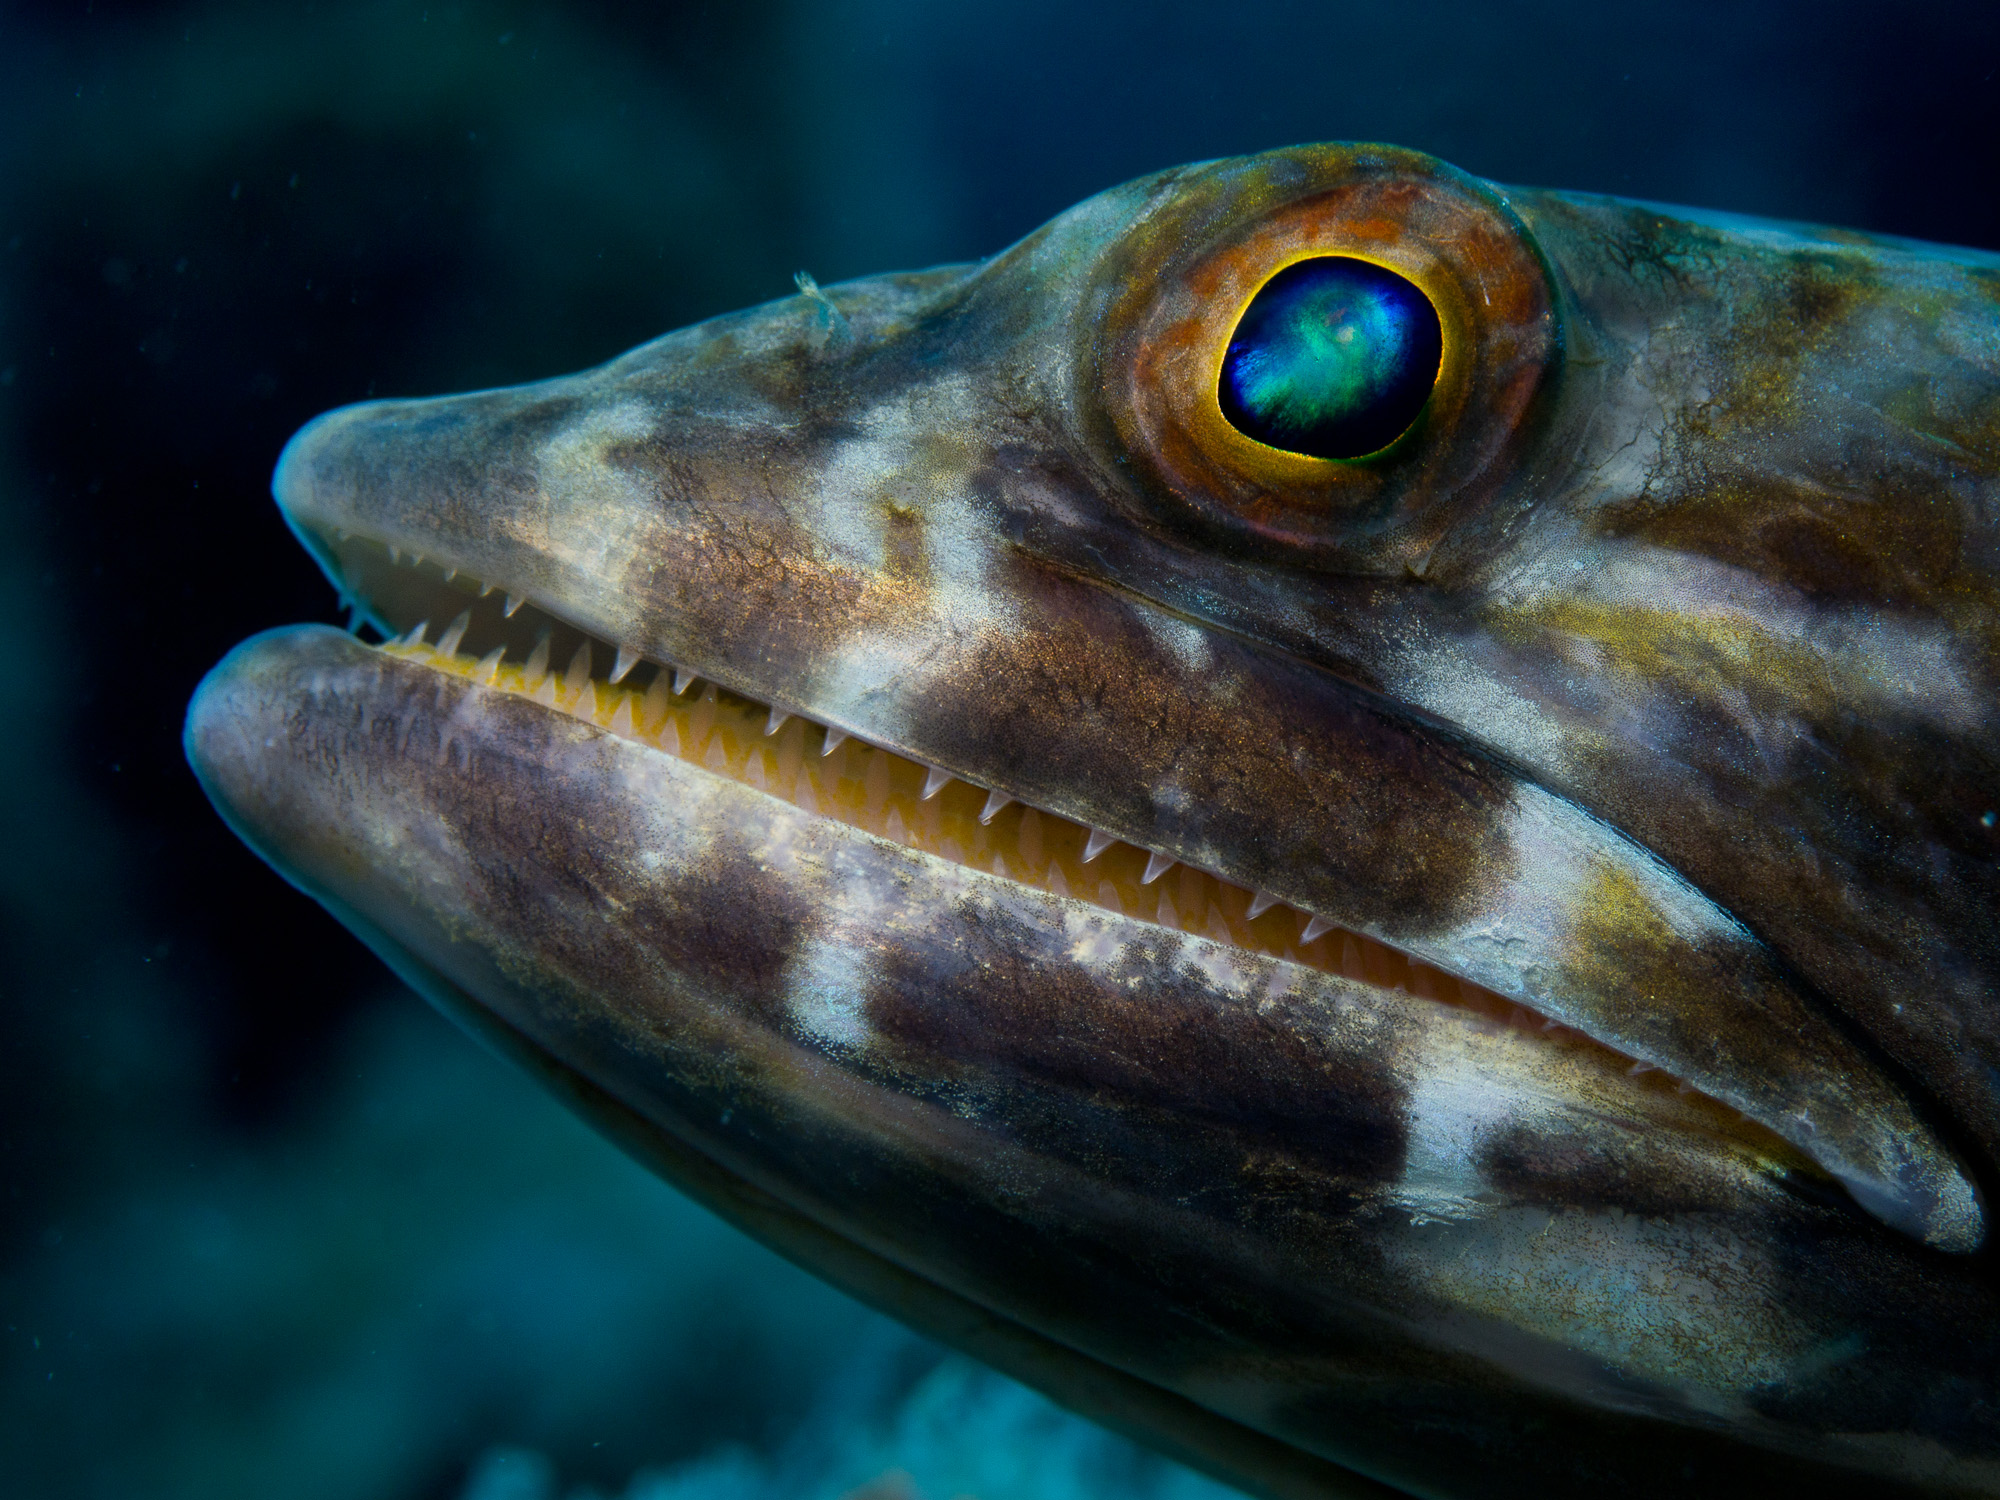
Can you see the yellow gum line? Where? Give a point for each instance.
(882, 793)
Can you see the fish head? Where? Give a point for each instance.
(1427, 925)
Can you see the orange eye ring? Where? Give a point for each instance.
(1183, 278)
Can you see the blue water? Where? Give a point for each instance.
(272, 1228)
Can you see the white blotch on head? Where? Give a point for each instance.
(1885, 660)
(1229, 971)
(826, 992)
(1094, 941)
(783, 836)
(1454, 1107)
(906, 458)
(573, 468)
(1462, 689)
(1558, 856)
(1187, 643)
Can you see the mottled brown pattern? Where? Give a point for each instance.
(1245, 1246)
(1652, 680)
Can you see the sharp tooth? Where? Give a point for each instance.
(1157, 864)
(1096, 844)
(538, 659)
(396, 555)
(416, 635)
(449, 574)
(454, 633)
(835, 738)
(1261, 902)
(514, 602)
(489, 664)
(682, 677)
(621, 717)
(627, 660)
(995, 800)
(577, 678)
(776, 720)
(487, 588)
(936, 782)
(1350, 958)
(416, 559)
(1637, 1068)
(1314, 928)
(653, 708)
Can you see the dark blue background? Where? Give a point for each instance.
(269, 1226)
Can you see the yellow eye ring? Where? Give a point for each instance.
(1186, 278)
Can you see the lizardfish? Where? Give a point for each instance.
(1345, 815)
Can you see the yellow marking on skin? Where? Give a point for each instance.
(1675, 624)
(1700, 650)
(1613, 913)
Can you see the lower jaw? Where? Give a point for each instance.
(795, 999)
(828, 773)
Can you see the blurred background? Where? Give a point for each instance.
(267, 1225)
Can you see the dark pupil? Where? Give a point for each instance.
(1334, 358)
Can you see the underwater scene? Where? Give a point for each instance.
(1316, 821)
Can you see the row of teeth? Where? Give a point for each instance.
(543, 686)
(563, 691)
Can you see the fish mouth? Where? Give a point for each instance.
(933, 613)
(433, 614)
(969, 1042)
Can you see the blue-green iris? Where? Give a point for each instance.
(1333, 358)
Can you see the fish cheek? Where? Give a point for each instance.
(1136, 1068)
(1262, 767)
(630, 956)
(1165, 1141)
(1897, 545)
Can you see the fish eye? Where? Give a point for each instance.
(1328, 357)
(1334, 358)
